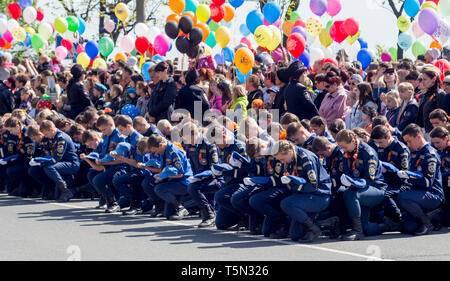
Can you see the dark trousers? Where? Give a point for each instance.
(103, 181)
(240, 201)
(391, 208)
(56, 172)
(129, 186)
(168, 191)
(227, 215)
(415, 201)
(359, 202)
(268, 203)
(200, 190)
(17, 177)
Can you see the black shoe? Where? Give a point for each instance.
(132, 212)
(356, 233)
(281, 233)
(156, 213)
(389, 225)
(331, 225)
(208, 217)
(113, 206)
(180, 213)
(14, 192)
(66, 194)
(313, 232)
(101, 203)
(256, 231)
(435, 217)
(425, 227)
(35, 194)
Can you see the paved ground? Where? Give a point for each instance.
(40, 230)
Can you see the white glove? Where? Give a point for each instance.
(34, 163)
(247, 181)
(3, 162)
(345, 181)
(285, 180)
(215, 172)
(402, 175)
(235, 163)
(192, 179)
(383, 169)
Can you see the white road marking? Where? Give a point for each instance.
(226, 232)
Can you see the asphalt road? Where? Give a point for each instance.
(40, 230)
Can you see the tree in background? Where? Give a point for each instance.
(396, 7)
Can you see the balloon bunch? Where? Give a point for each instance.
(265, 26)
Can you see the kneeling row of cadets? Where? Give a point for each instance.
(300, 188)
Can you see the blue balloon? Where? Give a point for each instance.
(244, 30)
(254, 19)
(158, 58)
(145, 68)
(82, 26)
(405, 41)
(365, 57)
(130, 110)
(362, 43)
(271, 12)
(305, 58)
(300, 30)
(227, 24)
(170, 48)
(412, 7)
(25, 3)
(191, 5)
(228, 54)
(91, 49)
(241, 77)
(236, 3)
(58, 40)
(219, 59)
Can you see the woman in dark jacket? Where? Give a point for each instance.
(430, 99)
(192, 93)
(163, 95)
(253, 87)
(281, 80)
(77, 95)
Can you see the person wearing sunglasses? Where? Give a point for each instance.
(334, 104)
(354, 80)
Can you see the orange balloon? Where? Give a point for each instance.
(177, 6)
(205, 28)
(244, 60)
(7, 46)
(436, 44)
(229, 12)
(173, 17)
(120, 56)
(287, 27)
(191, 15)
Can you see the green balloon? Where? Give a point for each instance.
(211, 40)
(418, 49)
(329, 24)
(73, 23)
(444, 8)
(213, 26)
(37, 42)
(393, 52)
(61, 25)
(134, 52)
(105, 46)
(294, 17)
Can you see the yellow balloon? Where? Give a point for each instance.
(403, 23)
(325, 38)
(99, 63)
(223, 36)
(30, 30)
(203, 13)
(276, 38)
(121, 11)
(263, 36)
(352, 39)
(83, 59)
(208, 50)
(429, 4)
(314, 27)
(19, 34)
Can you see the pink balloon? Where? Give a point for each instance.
(61, 53)
(386, 57)
(80, 49)
(334, 7)
(417, 30)
(266, 22)
(162, 44)
(277, 23)
(52, 25)
(8, 36)
(247, 42)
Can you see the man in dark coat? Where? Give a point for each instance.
(6, 97)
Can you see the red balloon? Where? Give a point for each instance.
(40, 15)
(337, 31)
(296, 45)
(14, 10)
(2, 42)
(217, 12)
(80, 49)
(142, 44)
(300, 23)
(331, 60)
(247, 42)
(443, 66)
(152, 50)
(218, 2)
(351, 26)
(435, 1)
(67, 44)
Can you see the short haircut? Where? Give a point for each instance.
(412, 130)
(289, 118)
(123, 121)
(293, 129)
(155, 140)
(439, 114)
(61, 123)
(252, 147)
(141, 145)
(117, 88)
(320, 144)
(104, 120)
(345, 136)
(283, 146)
(405, 86)
(33, 131)
(379, 120)
(47, 125)
(139, 121)
(380, 132)
(163, 125)
(318, 121)
(337, 125)
(76, 130)
(12, 122)
(439, 132)
(90, 135)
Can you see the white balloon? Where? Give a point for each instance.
(3, 26)
(152, 33)
(127, 43)
(132, 61)
(315, 54)
(310, 40)
(327, 52)
(29, 14)
(12, 23)
(141, 29)
(109, 25)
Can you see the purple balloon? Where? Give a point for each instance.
(428, 20)
(300, 30)
(318, 7)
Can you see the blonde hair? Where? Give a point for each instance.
(405, 86)
(239, 91)
(394, 95)
(283, 147)
(163, 125)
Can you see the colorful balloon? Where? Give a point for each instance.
(105, 46)
(37, 42)
(296, 45)
(263, 35)
(444, 8)
(314, 27)
(365, 57)
(229, 12)
(404, 41)
(334, 7)
(82, 26)
(121, 11)
(236, 3)
(127, 44)
(352, 39)
(211, 40)
(91, 48)
(99, 63)
(19, 34)
(428, 20)
(177, 6)
(244, 60)
(84, 60)
(120, 56)
(217, 12)
(61, 53)
(412, 7)
(417, 30)
(286, 27)
(393, 51)
(271, 12)
(318, 7)
(325, 38)
(40, 15)
(254, 19)
(276, 38)
(223, 36)
(109, 25)
(162, 44)
(14, 10)
(403, 23)
(203, 13)
(142, 44)
(29, 14)
(191, 5)
(386, 57)
(351, 26)
(337, 32)
(73, 23)
(61, 25)
(45, 30)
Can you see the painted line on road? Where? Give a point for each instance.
(371, 258)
